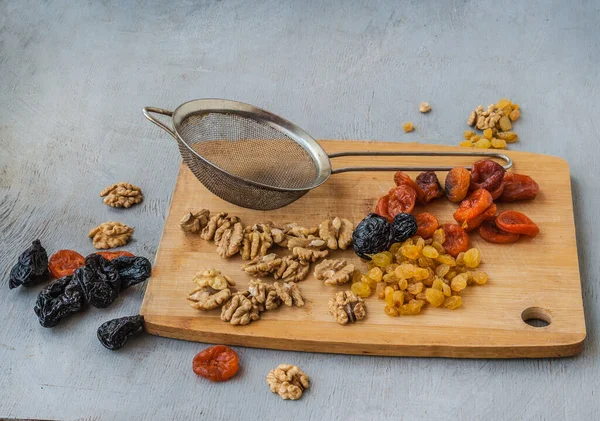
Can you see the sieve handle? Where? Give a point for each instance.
(498, 155)
(148, 110)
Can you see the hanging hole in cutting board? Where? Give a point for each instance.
(536, 317)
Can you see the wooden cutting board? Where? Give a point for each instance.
(534, 278)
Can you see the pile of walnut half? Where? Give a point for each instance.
(213, 290)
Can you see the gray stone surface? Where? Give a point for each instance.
(74, 76)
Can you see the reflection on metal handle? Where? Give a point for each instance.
(148, 110)
(498, 155)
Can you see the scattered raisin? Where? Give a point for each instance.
(457, 239)
(492, 234)
(517, 223)
(64, 262)
(217, 363)
(31, 268)
(426, 224)
(401, 199)
(475, 204)
(430, 186)
(457, 184)
(519, 187)
(486, 174)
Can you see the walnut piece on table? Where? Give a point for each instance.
(216, 225)
(288, 381)
(213, 278)
(262, 266)
(264, 294)
(336, 232)
(309, 255)
(122, 195)
(110, 234)
(259, 238)
(240, 310)
(194, 222)
(292, 269)
(230, 242)
(346, 307)
(289, 293)
(334, 272)
(207, 298)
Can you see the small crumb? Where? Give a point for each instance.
(408, 127)
(424, 107)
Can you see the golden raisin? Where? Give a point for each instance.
(382, 259)
(389, 296)
(453, 302)
(466, 144)
(415, 289)
(446, 259)
(361, 289)
(440, 248)
(420, 274)
(505, 124)
(403, 284)
(458, 283)
(498, 143)
(356, 276)
(467, 134)
(437, 284)
(391, 311)
(472, 258)
(376, 274)
(368, 280)
(429, 251)
(503, 103)
(380, 290)
(483, 144)
(446, 290)
(442, 270)
(408, 127)
(398, 298)
(439, 236)
(514, 115)
(410, 252)
(509, 137)
(487, 133)
(434, 296)
(405, 271)
(480, 277)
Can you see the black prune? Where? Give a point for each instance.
(99, 280)
(57, 300)
(114, 333)
(132, 270)
(32, 267)
(404, 226)
(372, 235)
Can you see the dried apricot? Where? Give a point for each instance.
(457, 239)
(498, 192)
(517, 223)
(474, 223)
(457, 184)
(64, 262)
(401, 199)
(519, 187)
(426, 224)
(401, 178)
(486, 174)
(217, 363)
(475, 204)
(381, 208)
(492, 234)
(430, 186)
(110, 255)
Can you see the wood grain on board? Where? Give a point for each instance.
(538, 277)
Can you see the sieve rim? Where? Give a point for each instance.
(225, 106)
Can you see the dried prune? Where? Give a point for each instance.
(474, 223)
(217, 363)
(404, 226)
(457, 239)
(457, 184)
(132, 270)
(99, 279)
(401, 199)
(486, 174)
(492, 234)
(57, 300)
(111, 255)
(430, 186)
(426, 224)
(64, 262)
(31, 268)
(475, 204)
(519, 187)
(114, 333)
(372, 235)
(517, 223)
(381, 208)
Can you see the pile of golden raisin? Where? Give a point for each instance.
(495, 123)
(418, 271)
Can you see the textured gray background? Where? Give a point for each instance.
(74, 77)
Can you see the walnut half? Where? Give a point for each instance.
(288, 381)
(240, 310)
(289, 293)
(334, 272)
(336, 232)
(194, 221)
(346, 307)
(110, 234)
(122, 195)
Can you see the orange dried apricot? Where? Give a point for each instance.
(518, 187)
(517, 223)
(457, 184)
(474, 223)
(430, 186)
(490, 232)
(64, 262)
(486, 174)
(401, 199)
(426, 224)
(381, 208)
(217, 363)
(475, 204)
(457, 239)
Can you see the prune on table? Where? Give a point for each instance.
(381, 208)
(430, 186)
(486, 174)
(517, 223)
(519, 187)
(64, 262)
(457, 184)
(217, 363)
(114, 334)
(426, 224)
(475, 204)
(372, 235)
(404, 226)
(401, 199)
(132, 270)
(99, 279)
(490, 232)
(31, 268)
(57, 300)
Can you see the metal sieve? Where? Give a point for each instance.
(255, 159)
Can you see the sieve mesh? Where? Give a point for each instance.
(248, 149)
